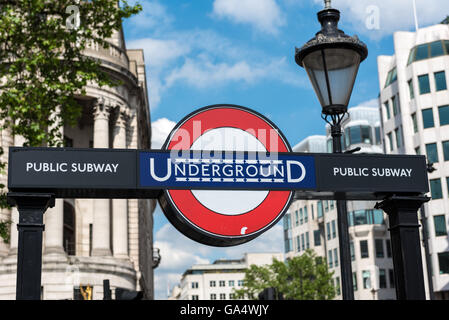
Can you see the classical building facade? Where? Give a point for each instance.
(87, 241)
(414, 104)
(218, 280)
(312, 224)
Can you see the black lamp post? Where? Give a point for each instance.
(332, 60)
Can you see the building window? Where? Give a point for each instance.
(328, 230)
(436, 49)
(390, 140)
(213, 296)
(398, 134)
(440, 225)
(366, 278)
(411, 90)
(354, 281)
(435, 189)
(326, 206)
(427, 118)
(391, 276)
(231, 296)
(306, 215)
(364, 249)
(337, 285)
(424, 84)
(195, 297)
(287, 224)
(415, 123)
(212, 283)
(69, 229)
(418, 150)
(394, 102)
(440, 81)
(388, 244)
(222, 283)
(432, 152)
(446, 150)
(382, 279)
(444, 115)
(298, 244)
(351, 248)
(335, 257)
(331, 261)
(301, 216)
(422, 52)
(222, 296)
(194, 285)
(317, 238)
(303, 243)
(443, 260)
(320, 209)
(334, 230)
(240, 283)
(379, 248)
(307, 241)
(296, 218)
(391, 77)
(313, 215)
(387, 110)
(231, 283)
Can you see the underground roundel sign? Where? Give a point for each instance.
(225, 217)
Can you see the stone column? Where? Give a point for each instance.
(120, 206)
(54, 225)
(101, 244)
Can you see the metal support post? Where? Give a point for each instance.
(31, 207)
(405, 244)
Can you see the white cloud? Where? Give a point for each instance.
(153, 15)
(373, 103)
(264, 15)
(160, 129)
(393, 16)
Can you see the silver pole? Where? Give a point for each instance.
(327, 4)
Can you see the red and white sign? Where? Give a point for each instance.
(225, 217)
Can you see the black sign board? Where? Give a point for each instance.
(113, 173)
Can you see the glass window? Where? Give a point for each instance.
(379, 248)
(440, 81)
(231, 283)
(337, 285)
(388, 244)
(301, 216)
(422, 52)
(351, 248)
(436, 49)
(317, 238)
(364, 249)
(366, 134)
(391, 276)
(411, 58)
(377, 131)
(303, 245)
(394, 102)
(320, 209)
(306, 215)
(446, 44)
(398, 134)
(424, 84)
(387, 110)
(222, 283)
(287, 221)
(440, 225)
(298, 246)
(411, 90)
(443, 259)
(240, 283)
(390, 140)
(222, 296)
(307, 241)
(213, 296)
(415, 123)
(334, 231)
(212, 283)
(354, 281)
(378, 217)
(335, 257)
(326, 205)
(331, 261)
(366, 276)
(443, 111)
(296, 218)
(360, 217)
(435, 189)
(432, 152)
(382, 279)
(313, 215)
(446, 150)
(427, 118)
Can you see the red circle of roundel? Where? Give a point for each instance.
(217, 225)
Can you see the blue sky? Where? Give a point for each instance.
(205, 52)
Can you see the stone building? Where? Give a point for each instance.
(89, 240)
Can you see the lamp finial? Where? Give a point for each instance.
(327, 4)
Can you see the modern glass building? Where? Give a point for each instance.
(312, 224)
(415, 80)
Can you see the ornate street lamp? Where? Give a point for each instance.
(332, 60)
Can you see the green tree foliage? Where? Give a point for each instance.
(43, 68)
(304, 277)
(445, 21)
